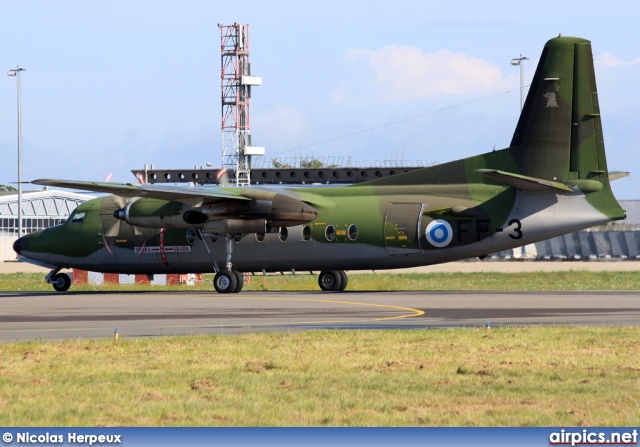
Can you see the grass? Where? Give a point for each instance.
(537, 376)
(541, 376)
(570, 280)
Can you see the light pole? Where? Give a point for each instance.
(520, 61)
(16, 72)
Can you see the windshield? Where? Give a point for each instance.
(76, 217)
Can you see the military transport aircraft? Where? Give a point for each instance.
(551, 180)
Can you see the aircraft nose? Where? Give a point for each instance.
(17, 245)
(20, 244)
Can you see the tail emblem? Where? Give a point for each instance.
(552, 102)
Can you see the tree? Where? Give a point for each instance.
(7, 188)
(278, 165)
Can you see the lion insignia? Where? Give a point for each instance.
(552, 102)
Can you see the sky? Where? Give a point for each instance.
(112, 85)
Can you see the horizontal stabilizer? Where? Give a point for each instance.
(615, 175)
(522, 182)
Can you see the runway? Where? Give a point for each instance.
(53, 316)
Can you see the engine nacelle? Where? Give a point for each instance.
(254, 216)
(153, 213)
(234, 226)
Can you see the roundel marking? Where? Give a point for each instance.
(439, 233)
(191, 236)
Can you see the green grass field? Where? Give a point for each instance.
(462, 377)
(571, 280)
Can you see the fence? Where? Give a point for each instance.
(581, 245)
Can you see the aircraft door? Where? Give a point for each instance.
(401, 226)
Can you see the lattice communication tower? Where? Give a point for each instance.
(236, 97)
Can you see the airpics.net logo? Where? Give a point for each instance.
(70, 438)
(590, 437)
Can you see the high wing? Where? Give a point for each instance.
(190, 196)
(215, 209)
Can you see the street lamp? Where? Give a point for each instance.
(16, 72)
(520, 61)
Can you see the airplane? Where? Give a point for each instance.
(551, 180)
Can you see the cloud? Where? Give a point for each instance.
(404, 72)
(281, 127)
(609, 60)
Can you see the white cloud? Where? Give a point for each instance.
(609, 60)
(281, 127)
(404, 72)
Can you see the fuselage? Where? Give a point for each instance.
(357, 228)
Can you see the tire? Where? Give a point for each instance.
(240, 279)
(225, 281)
(61, 282)
(345, 280)
(330, 281)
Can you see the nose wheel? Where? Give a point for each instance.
(60, 281)
(333, 280)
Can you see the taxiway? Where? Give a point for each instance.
(79, 315)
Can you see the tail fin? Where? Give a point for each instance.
(559, 134)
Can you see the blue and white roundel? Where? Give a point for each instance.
(439, 233)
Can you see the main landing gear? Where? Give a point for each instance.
(60, 281)
(333, 280)
(226, 280)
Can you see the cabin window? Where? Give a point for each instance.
(306, 233)
(191, 236)
(330, 232)
(259, 237)
(283, 234)
(352, 232)
(213, 238)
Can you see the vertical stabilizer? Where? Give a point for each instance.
(559, 134)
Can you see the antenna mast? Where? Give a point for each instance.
(236, 97)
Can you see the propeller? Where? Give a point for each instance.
(223, 176)
(112, 228)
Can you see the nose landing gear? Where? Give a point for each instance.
(60, 281)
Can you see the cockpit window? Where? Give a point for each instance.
(76, 217)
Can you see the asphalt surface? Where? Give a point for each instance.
(75, 315)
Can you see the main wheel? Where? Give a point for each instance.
(345, 280)
(240, 279)
(330, 281)
(61, 282)
(225, 281)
